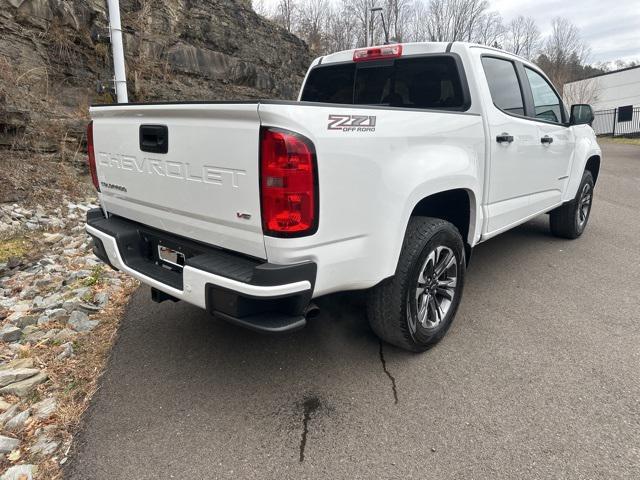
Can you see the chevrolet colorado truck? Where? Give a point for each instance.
(394, 162)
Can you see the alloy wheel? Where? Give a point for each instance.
(584, 205)
(434, 290)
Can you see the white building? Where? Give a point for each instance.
(608, 90)
(613, 96)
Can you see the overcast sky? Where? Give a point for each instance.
(610, 27)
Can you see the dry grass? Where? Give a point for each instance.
(623, 140)
(24, 245)
(34, 95)
(144, 69)
(41, 178)
(14, 247)
(61, 42)
(77, 379)
(139, 18)
(7, 76)
(32, 84)
(27, 92)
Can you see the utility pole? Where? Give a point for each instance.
(117, 49)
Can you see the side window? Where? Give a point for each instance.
(546, 102)
(503, 84)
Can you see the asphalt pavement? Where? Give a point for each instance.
(539, 376)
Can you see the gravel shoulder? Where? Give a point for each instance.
(59, 309)
(537, 378)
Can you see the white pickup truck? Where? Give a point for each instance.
(392, 165)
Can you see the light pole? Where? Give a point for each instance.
(384, 25)
(366, 28)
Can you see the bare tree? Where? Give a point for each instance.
(563, 52)
(620, 64)
(285, 13)
(334, 25)
(366, 23)
(312, 18)
(522, 37)
(340, 29)
(398, 13)
(614, 65)
(451, 20)
(583, 91)
(417, 30)
(489, 30)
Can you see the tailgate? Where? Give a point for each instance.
(205, 187)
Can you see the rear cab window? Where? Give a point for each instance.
(421, 82)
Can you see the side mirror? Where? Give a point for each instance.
(581, 114)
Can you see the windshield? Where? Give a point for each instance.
(420, 82)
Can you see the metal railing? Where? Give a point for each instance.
(617, 123)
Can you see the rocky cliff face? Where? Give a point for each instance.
(51, 62)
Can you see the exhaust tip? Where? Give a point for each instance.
(312, 311)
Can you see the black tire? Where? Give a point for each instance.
(393, 313)
(570, 220)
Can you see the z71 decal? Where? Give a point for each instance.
(352, 123)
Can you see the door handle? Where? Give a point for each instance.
(546, 139)
(504, 138)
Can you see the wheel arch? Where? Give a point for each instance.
(587, 156)
(593, 165)
(457, 206)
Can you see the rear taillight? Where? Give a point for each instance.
(92, 156)
(288, 184)
(375, 53)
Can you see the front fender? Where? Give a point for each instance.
(586, 146)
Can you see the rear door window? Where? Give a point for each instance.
(503, 84)
(422, 82)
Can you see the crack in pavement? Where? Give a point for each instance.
(393, 380)
(309, 406)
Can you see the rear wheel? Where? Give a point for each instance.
(570, 219)
(414, 309)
